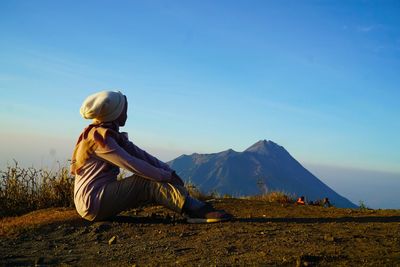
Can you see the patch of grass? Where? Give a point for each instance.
(275, 196)
(195, 192)
(363, 206)
(26, 189)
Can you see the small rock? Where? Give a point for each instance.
(307, 260)
(112, 240)
(329, 238)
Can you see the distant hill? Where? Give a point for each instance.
(264, 166)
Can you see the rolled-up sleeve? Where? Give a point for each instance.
(116, 155)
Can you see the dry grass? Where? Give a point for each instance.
(14, 225)
(196, 193)
(276, 196)
(26, 189)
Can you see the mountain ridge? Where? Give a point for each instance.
(264, 163)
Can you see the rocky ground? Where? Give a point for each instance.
(262, 233)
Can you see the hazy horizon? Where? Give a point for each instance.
(375, 188)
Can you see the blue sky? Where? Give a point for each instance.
(318, 77)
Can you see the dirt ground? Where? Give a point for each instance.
(262, 233)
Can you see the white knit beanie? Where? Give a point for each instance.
(103, 106)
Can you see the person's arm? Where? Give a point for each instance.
(135, 151)
(116, 155)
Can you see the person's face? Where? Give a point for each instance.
(124, 115)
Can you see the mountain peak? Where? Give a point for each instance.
(231, 172)
(263, 147)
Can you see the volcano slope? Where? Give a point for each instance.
(262, 233)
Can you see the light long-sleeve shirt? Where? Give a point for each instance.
(102, 168)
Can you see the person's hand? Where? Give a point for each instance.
(176, 180)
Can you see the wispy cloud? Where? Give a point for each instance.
(289, 108)
(365, 28)
(58, 64)
(368, 28)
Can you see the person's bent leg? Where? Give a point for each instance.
(135, 191)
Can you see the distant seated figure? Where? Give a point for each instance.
(326, 203)
(300, 201)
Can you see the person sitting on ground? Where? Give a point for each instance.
(300, 201)
(102, 150)
(326, 203)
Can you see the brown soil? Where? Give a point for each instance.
(262, 233)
